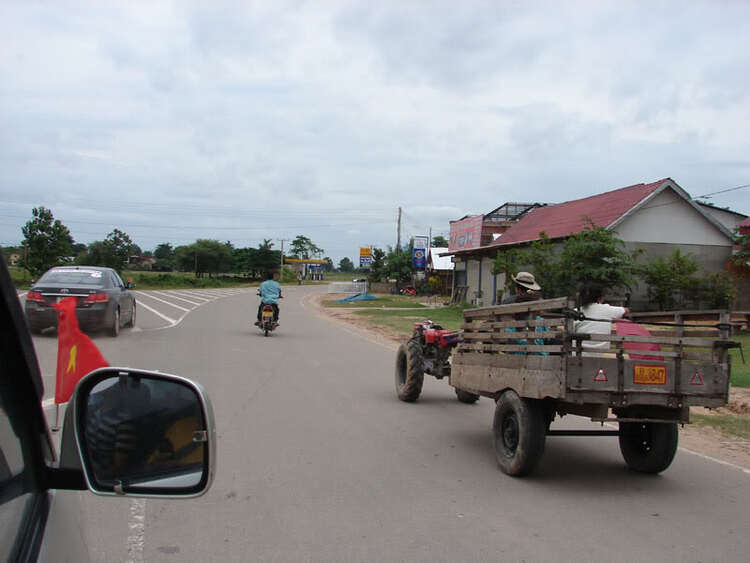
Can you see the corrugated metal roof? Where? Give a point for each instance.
(438, 262)
(571, 217)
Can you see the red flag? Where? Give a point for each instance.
(77, 354)
(624, 327)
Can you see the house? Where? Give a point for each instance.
(656, 217)
(441, 267)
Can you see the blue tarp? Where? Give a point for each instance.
(357, 297)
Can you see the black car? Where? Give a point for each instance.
(104, 301)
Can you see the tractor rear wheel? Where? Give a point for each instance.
(409, 371)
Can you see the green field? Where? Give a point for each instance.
(734, 425)
(402, 322)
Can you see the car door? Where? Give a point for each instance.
(25, 446)
(123, 296)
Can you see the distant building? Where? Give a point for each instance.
(656, 217)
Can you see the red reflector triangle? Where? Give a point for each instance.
(697, 379)
(600, 376)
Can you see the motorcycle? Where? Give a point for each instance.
(267, 323)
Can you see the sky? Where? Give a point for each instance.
(245, 121)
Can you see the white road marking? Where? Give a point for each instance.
(204, 299)
(155, 312)
(137, 527)
(204, 294)
(715, 460)
(175, 296)
(181, 308)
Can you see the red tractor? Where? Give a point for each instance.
(427, 351)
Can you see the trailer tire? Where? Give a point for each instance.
(409, 371)
(648, 447)
(518, 433)
(466, 397)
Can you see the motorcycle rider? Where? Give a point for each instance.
(270, 293)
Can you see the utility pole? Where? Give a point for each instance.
(398, 235)
(281, 266)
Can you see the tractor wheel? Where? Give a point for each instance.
(518, 433)
(466, 397)
(648, 447)
(409, 371)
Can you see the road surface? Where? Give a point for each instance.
(318, 461)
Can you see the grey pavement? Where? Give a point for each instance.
(318, 461)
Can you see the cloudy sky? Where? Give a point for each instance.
(248, 120)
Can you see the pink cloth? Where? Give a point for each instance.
(624, 327)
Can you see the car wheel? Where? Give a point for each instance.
(114, 330)
(131, 322)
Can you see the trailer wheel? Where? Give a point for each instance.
(409, 371)
(518, 433)
(648, 447)
(466, 397)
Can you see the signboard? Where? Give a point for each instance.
(466, 233)
(365, 257)
(419, 258)
(421, 243)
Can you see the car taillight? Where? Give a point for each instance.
(35, 296)
(96, 298)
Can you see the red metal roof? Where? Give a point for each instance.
(745, 223)
(571, 217)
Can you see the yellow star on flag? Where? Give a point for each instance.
(72, 359)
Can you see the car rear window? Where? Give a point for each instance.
(73, 277)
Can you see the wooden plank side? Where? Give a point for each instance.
(702, 342)
(540, 305)
(483, 347)
(544, 335)
(488, 379)
(490, 325)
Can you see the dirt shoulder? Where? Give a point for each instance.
(698, 438)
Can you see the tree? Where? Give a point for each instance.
(265, 259)
(204, 256)
(47, 242)
(398, 265)
(346, 265)
(439, 242)
(303, 247)
(672, 281)
(164, 254)
(594, 255)
(377, 266)
(118, 248)
(328, 266)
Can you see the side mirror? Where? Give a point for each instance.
(130, 284)
(142, 433)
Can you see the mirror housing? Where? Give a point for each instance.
(130, 284)
(144, 433)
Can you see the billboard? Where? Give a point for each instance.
(419, 253)
(466, 233)
(365, 257)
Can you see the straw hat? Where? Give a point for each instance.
(526, 279)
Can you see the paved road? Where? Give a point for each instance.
(318, 461)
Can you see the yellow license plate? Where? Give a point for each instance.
(267, 314)
(649, 375)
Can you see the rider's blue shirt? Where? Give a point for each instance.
(270, 291)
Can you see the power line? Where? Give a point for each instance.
(723, 191)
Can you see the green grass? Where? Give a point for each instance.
(182, 280)
(21, 278)
(734, 425)
(402, 322)
(390, 301)
(740, 371)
